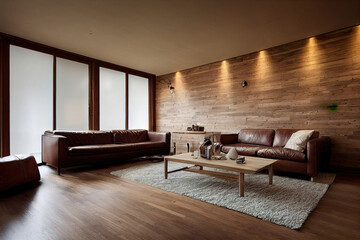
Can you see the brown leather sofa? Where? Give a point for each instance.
(18, 170)
(62, 149)
(270, 143)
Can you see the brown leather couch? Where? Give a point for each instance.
(18, 170)
(270, 143)
(63, 149)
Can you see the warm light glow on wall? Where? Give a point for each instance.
(225, 69)
(311, 61)
(178, 79)
(312, 41)
(357, 43)
(312, 52)
(263, 64)
(178, 83)
(224, 76)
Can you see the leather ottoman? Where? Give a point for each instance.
(18, 170)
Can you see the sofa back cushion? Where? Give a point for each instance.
(227, 138)
(130, 136)
(283, 135)
(80, 138)
(263, 137)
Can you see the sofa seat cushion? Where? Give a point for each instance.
(281, 153)
(242, 149)
(113, 148)
(101, 149)
(130, 136)
(149, 144)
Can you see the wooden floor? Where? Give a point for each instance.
(92, 204)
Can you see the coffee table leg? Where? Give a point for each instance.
(166, 168)
(271, 173)
(241, 184)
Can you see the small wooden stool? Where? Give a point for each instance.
(18, 170)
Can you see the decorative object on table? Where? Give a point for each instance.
(195, 128)
(217, 148)
(209, 149)
(198, 127)
(240, 160)
(195, 154)
(232, 154)
(192, 137)
(206, 148)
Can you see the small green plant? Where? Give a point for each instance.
(333, 107)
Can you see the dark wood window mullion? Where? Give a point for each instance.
(95, 96)
(1, 95)
(150, 103)
(54, 94)
(90, 97)
(126, 101)
(5, 98)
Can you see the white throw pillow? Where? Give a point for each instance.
(298, 140)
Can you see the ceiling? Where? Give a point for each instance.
(164, 36)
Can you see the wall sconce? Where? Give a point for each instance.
(169, 85)
(244, 83)
(172, 89)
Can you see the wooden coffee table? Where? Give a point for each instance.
(252, 165)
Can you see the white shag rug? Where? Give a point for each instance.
(287, 202)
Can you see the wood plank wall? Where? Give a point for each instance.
(289, 86)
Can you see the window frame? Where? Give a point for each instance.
(94, 69)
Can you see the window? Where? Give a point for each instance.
(138, 102)
(31, 99)
(72, 95)
(112, 99)
(45, 90)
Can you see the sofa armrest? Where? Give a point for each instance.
(318, 154)
(54, 149)
(163, 137)
(229, 138)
